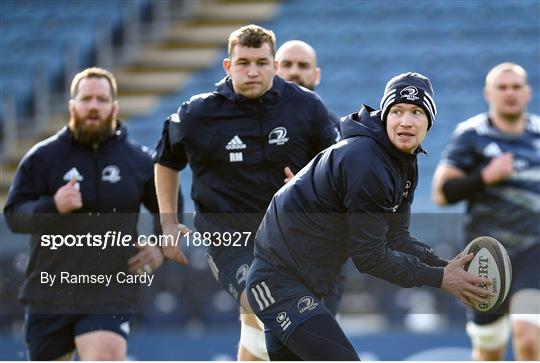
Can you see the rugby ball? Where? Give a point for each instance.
(491, 261)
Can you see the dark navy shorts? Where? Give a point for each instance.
(50, 336)
(230, 267)
(525, 275)
(279, 300)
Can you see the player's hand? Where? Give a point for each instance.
(148, 259)
(68, 198)
(171, 245)
(463, 284)
(288, 175)
(499, 168)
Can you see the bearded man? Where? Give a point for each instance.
(73, 192)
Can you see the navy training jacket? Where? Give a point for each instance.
(238, 148)
(352, 200)
(114, 181)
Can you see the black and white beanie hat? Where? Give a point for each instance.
(409, 88)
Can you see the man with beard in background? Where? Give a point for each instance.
(87, 180)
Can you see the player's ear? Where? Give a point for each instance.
(227, 66)
(276, 65)
(529, 92)
(317, 76)
(116, 109)
(71, 107)
(486, 94)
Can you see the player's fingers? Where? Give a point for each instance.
(72, 182)
(475, 298)
(180, 257)
(465, 300)
(168, 251)
(288, 172)
(184, 230)
(136, 259)
(458, 256)
(478, 290)
(477, 280)
(465, 258)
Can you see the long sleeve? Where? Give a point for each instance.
(368, 194)
(29, 206)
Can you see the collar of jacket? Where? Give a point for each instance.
(225, 88)
(120, 134)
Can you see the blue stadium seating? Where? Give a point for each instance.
(361, 45)
(37, 34)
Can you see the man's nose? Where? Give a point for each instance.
(93, 104)
(294, 70)
(406, 119)
(252, 70)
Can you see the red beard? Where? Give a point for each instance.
(90, 132)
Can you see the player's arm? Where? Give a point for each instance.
(451, 184)
(462, 172)
(400, 239)
(167, 194)
(366, 199)
(169, 159)
(372, 255)
(148, 258)
(30, 206)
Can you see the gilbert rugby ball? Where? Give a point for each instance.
(491, 261)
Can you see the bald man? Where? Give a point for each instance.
(297, 62)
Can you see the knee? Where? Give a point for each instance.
(526, 340)
(106, 353)
(101, 346)
(252, 338)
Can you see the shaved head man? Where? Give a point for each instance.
(297, 62)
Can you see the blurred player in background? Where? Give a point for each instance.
(89, 178)
(297, 62)
(493, 162)
(344, 204)
(242, 141)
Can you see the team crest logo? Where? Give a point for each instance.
(410, 93)
(306, 303)
(73, 173)
(111, 174)
(407, 187)
(278, 136)
(125, 327)
(283, 320)
(241, 273)
(492, 150)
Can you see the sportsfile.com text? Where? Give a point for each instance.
(119, 239)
